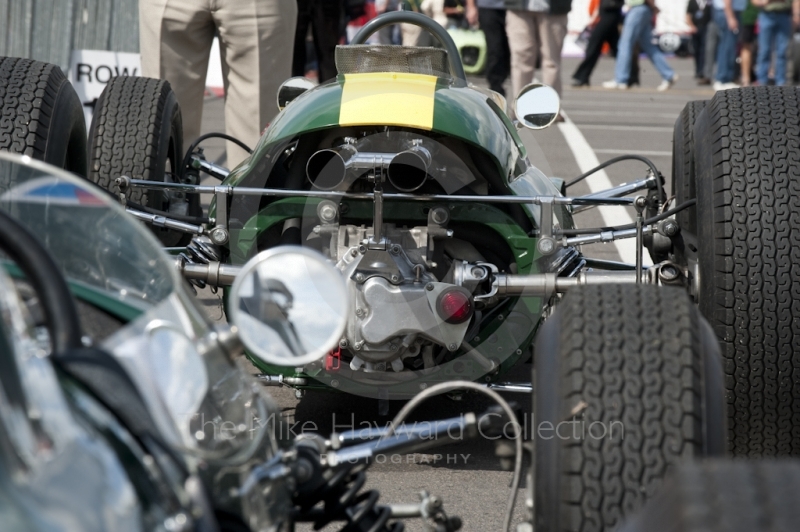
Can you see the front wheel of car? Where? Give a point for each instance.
(41, 115)
(137, 131)
(628, 384)
(747, 171)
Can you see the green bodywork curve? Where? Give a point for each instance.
(93, 296)
(459, 111)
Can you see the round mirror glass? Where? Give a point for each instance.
(291, 89)
(537, 106)
(289, 305)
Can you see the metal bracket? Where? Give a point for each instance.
(219, 234)
(376, 241)
(546, 244)
(123, 183)
(639, 203)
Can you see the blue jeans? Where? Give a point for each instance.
(774, 33)
(726, 50)
(638, 28)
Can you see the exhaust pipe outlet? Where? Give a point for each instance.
(326, 169)
(408, 170)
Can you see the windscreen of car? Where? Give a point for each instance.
(94, 242)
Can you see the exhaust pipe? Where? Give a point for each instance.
(326, 169)
(409, 169)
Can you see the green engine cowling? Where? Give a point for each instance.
(468, 124)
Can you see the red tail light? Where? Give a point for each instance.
(454, 305)
(334, 360)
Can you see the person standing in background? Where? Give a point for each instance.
(255, 39)
(747, 36)
(606, 30)
(775, 30)
(534, 27)
(712, 43)
(491, 16)
(324, 17)
(414, 35)
(638, 29)
(727, 17)
(698, 15)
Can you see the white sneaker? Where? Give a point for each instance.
(614, 85)
(719, 86)
(666, 84)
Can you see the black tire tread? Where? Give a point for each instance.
(725, 496)
(629, 354)
(747, 155)
(125, 126)
(683, 183)
(28, 93)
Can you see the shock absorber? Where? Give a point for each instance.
(201, 251)
(340, 493)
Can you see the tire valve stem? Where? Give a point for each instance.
(640, 203)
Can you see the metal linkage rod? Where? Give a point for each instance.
(547, 284)
(163, 221)
(214, 170)
(605, 236)
(213, 273)
(280, 193)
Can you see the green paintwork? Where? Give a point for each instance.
(94, 297)
(461, 112)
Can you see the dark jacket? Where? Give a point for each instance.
(557, 7)
(611, 5)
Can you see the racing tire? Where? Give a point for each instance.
(636, 357)
(137, 131)
(724, 496)
(41, 115)
(683, 185)
(748, 195)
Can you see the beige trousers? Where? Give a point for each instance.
(416, 36)
(530, 32)
(256, 40)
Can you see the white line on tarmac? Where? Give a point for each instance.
(586, 159)
(635, 114)
(646, 129)
(634, 152)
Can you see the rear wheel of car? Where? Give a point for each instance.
(137, 132)
(41, 115)
(683, 187)
(724, 496)
(628, 383)
(747, 149)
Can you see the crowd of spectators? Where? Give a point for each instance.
(262, 42)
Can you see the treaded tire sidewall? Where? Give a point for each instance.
(554, 369)
(683, 178)
(41, 115)
(136, 129)
(748, 193)
(724, 496)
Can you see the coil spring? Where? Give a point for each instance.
(201, 251)
(343, 502)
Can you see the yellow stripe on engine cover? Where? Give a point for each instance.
(391, 98)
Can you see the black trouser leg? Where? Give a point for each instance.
(606, 31)
(303, 20)
(326, 28)
(498, 56)
(699, 45)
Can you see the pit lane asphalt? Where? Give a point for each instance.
(467, 476)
